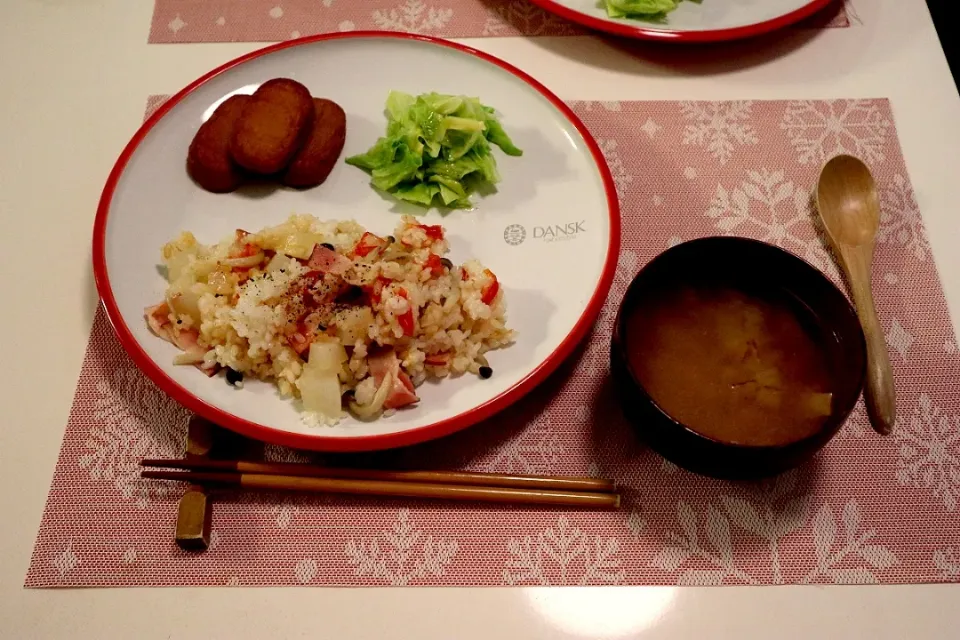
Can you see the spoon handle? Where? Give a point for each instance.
(880, 396)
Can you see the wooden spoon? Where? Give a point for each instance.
(850, 209)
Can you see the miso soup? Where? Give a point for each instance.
(732, 365)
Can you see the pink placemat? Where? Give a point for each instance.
(866, 510)
(275, 20)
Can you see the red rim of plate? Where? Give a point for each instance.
(633, 29)
(360, 443)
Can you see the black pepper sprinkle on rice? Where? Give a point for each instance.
(447, 263)
(234, 378)
(328, 246)
(391, 239)
(485, 372)
(353, 294)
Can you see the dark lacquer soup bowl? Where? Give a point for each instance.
(736, 359)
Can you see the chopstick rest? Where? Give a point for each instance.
(194, 512)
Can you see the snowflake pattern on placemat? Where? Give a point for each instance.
(948, 563)
(930, 451)
(900, 220)
(718, 127)
(769, 207)
(126, 410)
(413, 16)
(520, 17)
(866, 510)
(821, 129)
(401, 555)
(562, 555)
(274, 20)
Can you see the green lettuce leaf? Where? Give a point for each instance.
(437, 149)
(390, 161)
(417, 193)
(496, 135)
(652, 10)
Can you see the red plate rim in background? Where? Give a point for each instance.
(633, 29)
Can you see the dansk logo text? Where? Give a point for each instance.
(559, 232)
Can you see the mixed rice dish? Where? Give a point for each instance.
(335, 316)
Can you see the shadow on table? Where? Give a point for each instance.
(680, 502)
(91, 299)
(659, 58)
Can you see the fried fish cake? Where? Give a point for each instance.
(209, 161)
(316, 158)
(273, 125)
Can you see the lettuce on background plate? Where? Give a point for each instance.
(650, 10)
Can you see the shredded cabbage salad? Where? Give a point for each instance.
(650, 10)
(437, 149)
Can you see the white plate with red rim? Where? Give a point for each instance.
(550, 232)
(707, 21)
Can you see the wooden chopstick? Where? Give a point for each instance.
(406, 489)
(471, 478)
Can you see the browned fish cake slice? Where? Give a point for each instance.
(209, 161)
(318, 155)
(272, 126)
